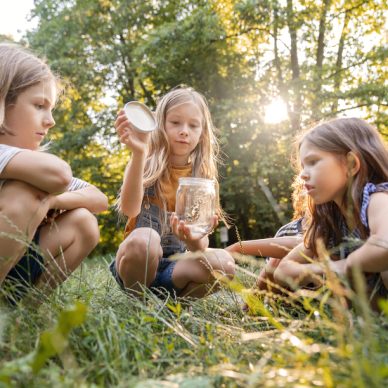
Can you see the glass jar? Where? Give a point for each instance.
(195, 204)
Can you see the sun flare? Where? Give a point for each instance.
(276, 112)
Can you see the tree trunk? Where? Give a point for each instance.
(128, 81)
(295, 70)
(319, 60)
(338, 65)
(321, 36)
(281, 86)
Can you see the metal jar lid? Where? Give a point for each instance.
(140, 116)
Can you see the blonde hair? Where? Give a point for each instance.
(19, 70)
(204, 157)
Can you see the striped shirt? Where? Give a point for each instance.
(8, 152)
(293, 228)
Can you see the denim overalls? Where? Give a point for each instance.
(150, 217)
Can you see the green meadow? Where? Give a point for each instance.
(89, 333)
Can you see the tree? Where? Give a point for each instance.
(240, 54)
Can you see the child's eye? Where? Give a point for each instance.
(39, 106)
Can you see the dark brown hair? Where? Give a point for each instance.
(342, 136)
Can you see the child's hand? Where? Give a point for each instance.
(54, 210)
(183, 231)
(51, 216)
(266, 279)
(338, 266)
(128, 135)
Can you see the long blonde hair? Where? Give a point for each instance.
(205, 156)
(19, 70)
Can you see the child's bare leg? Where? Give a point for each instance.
(194, 276)
(65, 243)
(22, 209)
(138, 257)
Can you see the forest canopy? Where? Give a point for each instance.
(268, 69)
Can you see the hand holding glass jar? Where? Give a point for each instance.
(195, 205)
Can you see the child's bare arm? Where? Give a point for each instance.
(373, 255)
(276, 247)
(89, 198)
(132, 190)
(39, 169)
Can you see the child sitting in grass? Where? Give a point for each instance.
(344, 166)
(47, 226)
(183, 145)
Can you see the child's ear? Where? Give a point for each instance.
(353, 163)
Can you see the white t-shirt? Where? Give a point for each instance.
(8, 152)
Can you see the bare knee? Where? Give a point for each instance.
(141, 244)
(86, 225)
(229, 264)
(223, 262)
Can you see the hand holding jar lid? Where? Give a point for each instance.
(140, 116)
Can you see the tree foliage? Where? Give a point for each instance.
(322, 58)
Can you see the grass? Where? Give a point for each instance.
(310, 341)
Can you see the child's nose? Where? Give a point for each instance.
(184, 129)
(49, 121)
(304, 175)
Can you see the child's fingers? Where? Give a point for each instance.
(120, 119)
(183, 231)
(124, 138)
(122, 125)
(174, 224)
(179, 228)
(124, 129)
(173, 219)
(187, 232)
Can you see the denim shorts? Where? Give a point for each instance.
(150, 217)
(25, 273)
(162, 281)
